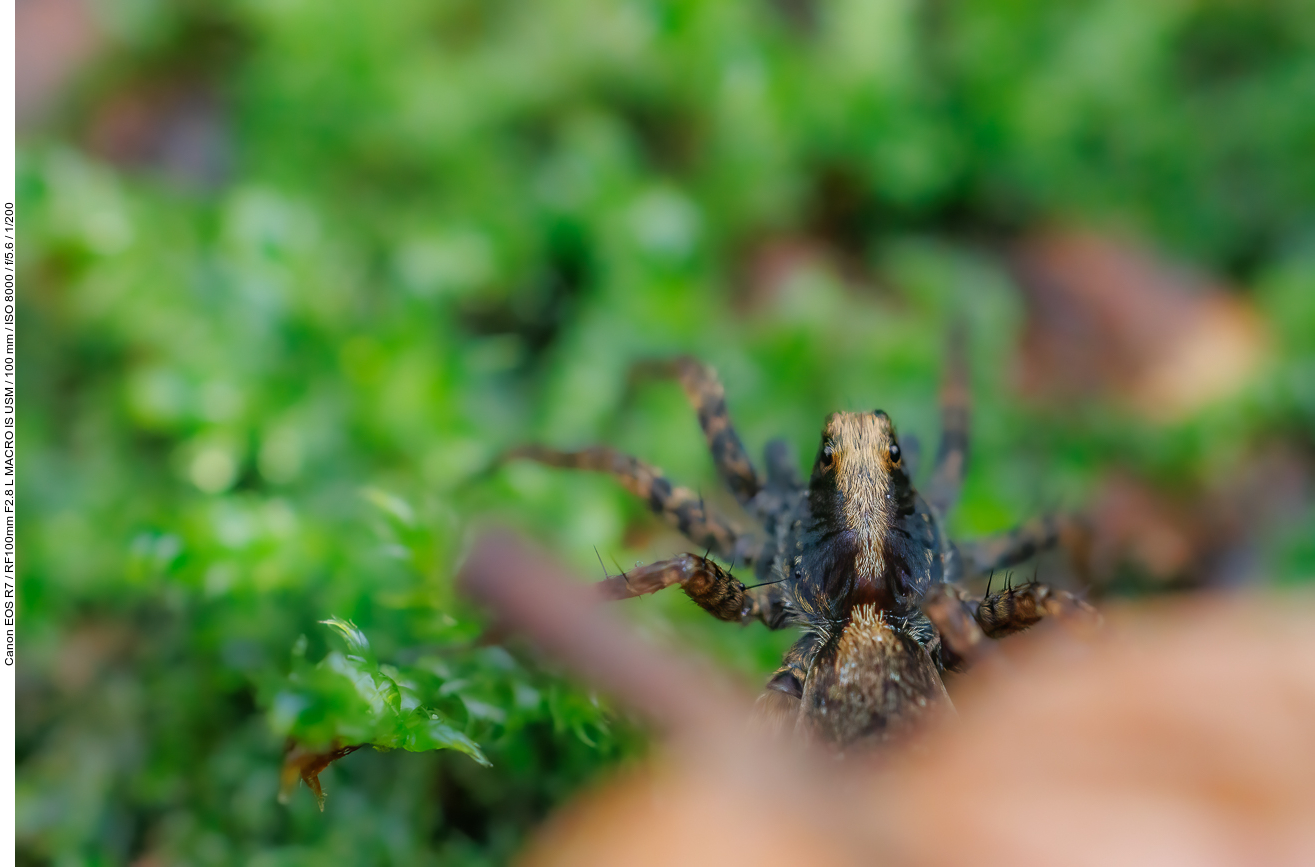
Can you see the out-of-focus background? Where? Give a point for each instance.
(293, 273)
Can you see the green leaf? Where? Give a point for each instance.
(427, 730)
(356, 641)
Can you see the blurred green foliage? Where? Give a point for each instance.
(260, 401)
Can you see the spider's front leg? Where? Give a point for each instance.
(967, 623)
(714, 589)
(1017, 608)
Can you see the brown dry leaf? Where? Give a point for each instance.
(1181, 737)
(1109, 319)
(301, 763)
(55, 40)
(1202, 535)
(675, 813)
(1134, 524)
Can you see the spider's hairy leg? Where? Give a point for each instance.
(777, 709)
(780, 495)
(705, 392)
(1023, 542)
(790, 677)
(713, 588)
(680, 507)
(967, 623)
(942, 489)
(1017, 608)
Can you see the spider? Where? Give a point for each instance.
(856, 559)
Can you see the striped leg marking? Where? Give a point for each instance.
(1021, 543)
(708, 396)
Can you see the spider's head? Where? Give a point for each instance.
(857, 448)
(858, 491)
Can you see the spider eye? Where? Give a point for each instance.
(894, 453)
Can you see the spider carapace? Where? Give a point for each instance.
(855, 558)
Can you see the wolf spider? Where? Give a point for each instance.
(855, 558)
